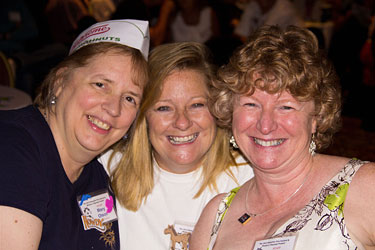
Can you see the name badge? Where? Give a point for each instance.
(97, 208)
(179, 235)
(282, 243)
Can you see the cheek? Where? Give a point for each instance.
(242, 121)
(289, 122)
(156, 124)
(204, 119)
(127, 118)
(295, 125)
(156, 128)
(85, 99)
(74, 103)
(211, 128)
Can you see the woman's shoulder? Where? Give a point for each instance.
(365, 173)
(212, 207)
(22, 121)
(110, 164)
(24, 134)
(340, 162)
(358, 209)
(331, 162)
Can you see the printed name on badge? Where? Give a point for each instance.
(282, 243)
(97, 208)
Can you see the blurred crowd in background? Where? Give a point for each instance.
(36, 35)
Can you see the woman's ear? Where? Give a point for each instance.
(60, 74)
(313, 125)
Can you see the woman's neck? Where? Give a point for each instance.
(73, 160)
(283, 184)
(72, 168)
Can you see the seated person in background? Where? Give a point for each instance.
(281, 98)
(101, 10)
(267, 12)
(63, 17)
(176, 159)
(157, 12)
(311, 10)
(195, 21)
(17, 27)
(228, 13)
(49, 174)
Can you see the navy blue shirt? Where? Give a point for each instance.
(33, 179)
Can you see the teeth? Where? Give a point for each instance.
(268, 143)
(99, 123)
(184, 139)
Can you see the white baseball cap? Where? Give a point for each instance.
(130, 32)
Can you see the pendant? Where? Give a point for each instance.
(245, 218)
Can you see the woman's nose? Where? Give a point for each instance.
(112, 105)
(182, 120)
(266, 122)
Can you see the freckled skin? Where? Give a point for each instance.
(270, 117)
(181, 111)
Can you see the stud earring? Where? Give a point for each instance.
(312, 146)
(53, 100)
(233, 142)
(125, 137)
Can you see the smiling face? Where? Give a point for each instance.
(95, 107)
(273, 129)
(181, 128)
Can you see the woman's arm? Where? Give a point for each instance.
(200, 237)
(19, 230)
(158, 32)
(359, 208)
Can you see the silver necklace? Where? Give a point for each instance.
(247, 216)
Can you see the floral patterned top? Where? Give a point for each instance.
(320, 224)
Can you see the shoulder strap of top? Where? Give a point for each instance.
(350, 169)
(221, 211)
(340, 185)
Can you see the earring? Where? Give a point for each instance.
(312, 146)
(125, 137)
(53, 100)
(233, 142)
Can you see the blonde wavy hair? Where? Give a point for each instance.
(285, 60)
(133, 179)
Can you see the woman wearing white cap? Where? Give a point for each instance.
(54, 194)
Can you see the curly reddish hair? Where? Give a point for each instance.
(276, 60)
